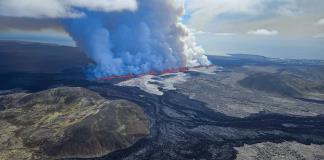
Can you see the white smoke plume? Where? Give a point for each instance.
(130, 39)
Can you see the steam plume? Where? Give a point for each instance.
(136, 41)
(121, 36)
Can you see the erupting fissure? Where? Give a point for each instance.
(154, 73)
(136, 41)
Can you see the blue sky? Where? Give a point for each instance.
(273, 28)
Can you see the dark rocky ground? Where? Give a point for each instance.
(190, 127)
(67, 122)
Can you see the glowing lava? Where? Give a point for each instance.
(155, 73)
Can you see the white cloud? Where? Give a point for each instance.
(224, 34)
(288, 8)
(263, 32)
(204, 11)
(321, 21)
(320, 36)
(60, 8)
(200, 32)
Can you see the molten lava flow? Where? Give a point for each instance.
(154, 73)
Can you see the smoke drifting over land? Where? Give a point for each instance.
(133, 39)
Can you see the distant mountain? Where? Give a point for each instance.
(249, 57)
(30, 57)
(234, 60)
